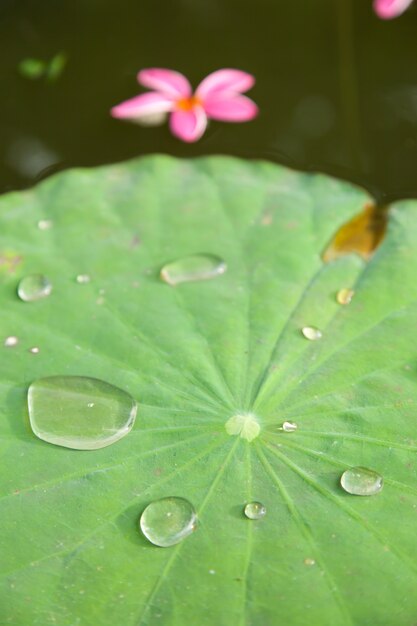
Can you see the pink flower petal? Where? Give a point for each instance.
(188, 125)
(225, 80)
(142, 106)
(230, 108)
(387, 9)
(170, 83)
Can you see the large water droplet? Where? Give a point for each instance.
(311, 333)
(194, 267)
(60, 412)
(168, 521)
(255, 510)
(361, 481)
(345, 295)
(34, 287)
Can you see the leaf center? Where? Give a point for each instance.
(244, 424)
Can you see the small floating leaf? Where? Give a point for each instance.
(32, 68)
(56, 66)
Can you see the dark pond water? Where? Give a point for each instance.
(337, 88)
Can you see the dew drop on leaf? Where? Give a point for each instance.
(254, 510)
(345, 295)
(60, 412)
(83, 279)
(168, 521)
(289, 427)
(361, 481)
(34, 287)
(45, 224)
(34, 350)
(193, 268)
(311, 333)
(11, 342)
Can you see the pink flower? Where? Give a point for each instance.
(218, 97)
(387, 9)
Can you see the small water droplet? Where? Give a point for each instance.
(83, 279)
(59, 412)
(191, 268)
(11, 342)
(311, 333)
(345, 295)
(309, 561)
(34, 350)
(34, 287)
(168, 521)
(255, 510)
(90, 405)
(361, 481)
(212, 571)
(45, 224)
(289, 427)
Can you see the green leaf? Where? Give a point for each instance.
(194, 356)
(56, 66)
(32, 68)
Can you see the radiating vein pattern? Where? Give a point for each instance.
(194, 356)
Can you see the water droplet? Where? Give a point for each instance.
(168, 521)
(34, 350)
(289, 427)
(83, 279)
(59, 412)
(309, 561)
(345, 295)
(311, 333)
(361, 481)
(254, 510)
(90, 405)
(194, 267)
(11, 342)
(45, 224)
(34, 287)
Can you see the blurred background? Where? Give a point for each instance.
(336, 86)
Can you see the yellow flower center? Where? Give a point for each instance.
(188, 104)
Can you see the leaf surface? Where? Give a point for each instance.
(194, 356)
